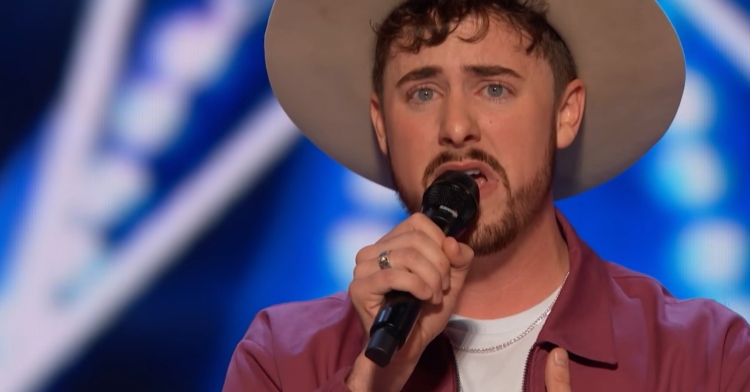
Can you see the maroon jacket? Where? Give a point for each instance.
(623, 330)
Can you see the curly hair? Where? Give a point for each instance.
(418, 23)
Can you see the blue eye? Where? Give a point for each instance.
(495, 90)
(424, 94)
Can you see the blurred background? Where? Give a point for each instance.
(154, 197)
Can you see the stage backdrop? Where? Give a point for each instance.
(163, 198)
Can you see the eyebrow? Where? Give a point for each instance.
(419, 74)
(484, 71)
(481, 71)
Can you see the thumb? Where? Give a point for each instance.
(460, 255)
(556, 373)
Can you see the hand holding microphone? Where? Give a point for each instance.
(408, 304)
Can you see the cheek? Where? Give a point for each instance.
(411, 145)
(518, 140)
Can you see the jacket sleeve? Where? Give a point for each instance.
(251, 368)
(735, 366)
(254, 366)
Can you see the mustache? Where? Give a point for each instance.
(451, 156)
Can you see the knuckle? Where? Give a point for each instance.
(407, 225)
(418, 286)
(354, 290)
(428, 226)
(431, 270)
(401, 258)
(387, 276)
(440, 260)
(436, 282)
(444, 265)
(414, 222)
(424, 238)
(411, 255)
(362, 254)
(423, 223)
(357, 271)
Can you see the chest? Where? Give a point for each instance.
(524, 370)
(485, 371)
(635, 372)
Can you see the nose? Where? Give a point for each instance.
(458, 127)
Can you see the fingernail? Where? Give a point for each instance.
(446, 283)
(561, 358)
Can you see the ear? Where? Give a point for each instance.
(378, 122)
(570, 113)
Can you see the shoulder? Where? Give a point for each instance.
(295, 323)
(297, 346)
(709, 340)
(302, 319)
(696, 318)
(651, 294)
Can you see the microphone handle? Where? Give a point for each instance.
(399, 311)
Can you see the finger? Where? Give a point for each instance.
(417, 222)
(388, 280)
(459, 255)
(557, 373)
(368, 256)
(416, 239)
(411, 260)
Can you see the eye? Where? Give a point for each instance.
(495, 90)
(423, 94)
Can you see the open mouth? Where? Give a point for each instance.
(477, 175)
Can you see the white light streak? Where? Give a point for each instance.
(236, 165)
(37, 334)
(726, 25)
(35, 264)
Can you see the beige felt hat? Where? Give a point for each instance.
(319, 56)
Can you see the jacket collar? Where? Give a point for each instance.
(581, 321)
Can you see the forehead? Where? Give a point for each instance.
(501, 44)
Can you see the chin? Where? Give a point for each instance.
(489, 237)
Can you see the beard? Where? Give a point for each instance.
(521, 205)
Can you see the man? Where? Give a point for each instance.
(495, 88)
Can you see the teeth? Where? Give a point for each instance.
(473, 172)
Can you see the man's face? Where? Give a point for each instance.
(486, 106)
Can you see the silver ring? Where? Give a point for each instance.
(383, 260)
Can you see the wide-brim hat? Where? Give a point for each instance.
(320, 53)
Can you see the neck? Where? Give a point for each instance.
(522, 275)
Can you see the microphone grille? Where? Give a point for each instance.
(455, 190)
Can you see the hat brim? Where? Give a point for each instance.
(319, 57)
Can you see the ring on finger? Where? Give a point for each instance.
(383, 260)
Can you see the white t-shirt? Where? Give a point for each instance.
(501, 370)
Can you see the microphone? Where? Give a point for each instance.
(451, 202)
